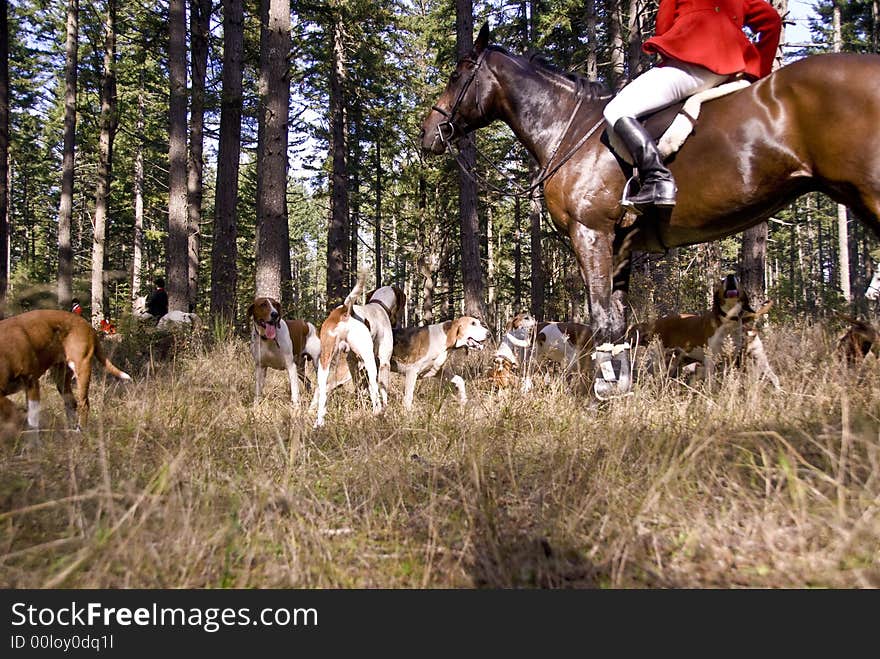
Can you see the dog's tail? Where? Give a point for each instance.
(355, 292)
(109, 366)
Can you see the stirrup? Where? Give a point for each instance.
(613, 377)
(624, 200)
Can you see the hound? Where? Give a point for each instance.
(514, 349)
(365, 332)
(32, 343)
(860, 339)
(701, 338)
(567, 343)
(280, 344)
(423, 351)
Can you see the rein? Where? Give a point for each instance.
(546, 171)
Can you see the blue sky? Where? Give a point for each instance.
(799, 11)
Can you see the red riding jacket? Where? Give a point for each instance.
(709, 33)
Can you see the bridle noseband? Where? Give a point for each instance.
(450, 114)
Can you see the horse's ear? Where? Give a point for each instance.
(482, 38)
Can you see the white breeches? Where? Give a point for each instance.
(658, 87)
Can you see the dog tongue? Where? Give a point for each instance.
(732, 293)
(270, 332)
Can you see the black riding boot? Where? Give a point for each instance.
(657, 185)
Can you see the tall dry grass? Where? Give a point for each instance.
(181, 482)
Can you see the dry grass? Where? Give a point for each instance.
(180, 482)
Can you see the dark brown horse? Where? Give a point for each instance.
(811, 125)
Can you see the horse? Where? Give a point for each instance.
(812, 125)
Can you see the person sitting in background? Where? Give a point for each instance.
(157, 301)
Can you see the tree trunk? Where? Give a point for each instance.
(177, 258)
(138, 183)
(517, 255)
(377, 231)
(337, 232)
(537, 256)
(105, 162)
(4, 157)
(842, 227)
(471, 272)
(65, 206)
(200, 16)
(272, 148)
(224, 252)
(617, 52)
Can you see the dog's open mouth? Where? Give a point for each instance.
(270, 330)
(731, 292)
(473, 344)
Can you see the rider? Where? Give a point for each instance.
(701, 44)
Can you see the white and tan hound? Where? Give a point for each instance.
(514, 348)
(280, 344)
(569, 344)
(33, 342)
(423, 351)
(365, 333)
(527, 342)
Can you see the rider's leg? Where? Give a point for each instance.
(651, 91)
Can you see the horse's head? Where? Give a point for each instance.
(462, 106)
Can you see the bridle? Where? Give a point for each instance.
(450, 114)
(549, 168)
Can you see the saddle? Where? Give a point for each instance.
(672, 125)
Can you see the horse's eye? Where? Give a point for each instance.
(455, 76)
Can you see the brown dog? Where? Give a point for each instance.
(32, 343)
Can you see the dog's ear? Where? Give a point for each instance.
(401, 304)
(452, 329)
(250, 311)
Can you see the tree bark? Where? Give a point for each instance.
(109, 122)
(4, 157)
(177, 258)
(471, 272)
(65, 206)
(137, 251)
(537, 255)
(200, 16)
(224, 251)
(337, 232)
(842, 227)
(272, 233)
(377, 231)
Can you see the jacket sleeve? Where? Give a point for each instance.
(765, 21)
(665, 16)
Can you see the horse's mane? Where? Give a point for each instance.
(594, 89)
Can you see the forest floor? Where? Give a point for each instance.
(180, 482)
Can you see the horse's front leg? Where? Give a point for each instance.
(595, 255)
